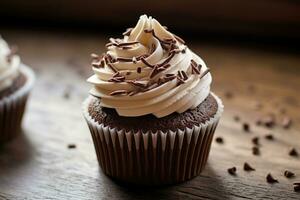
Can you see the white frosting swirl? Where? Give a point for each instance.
(160, 99)
(9, 65)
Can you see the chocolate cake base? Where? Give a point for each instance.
(109, 117)
(150, 157)
(17, 84)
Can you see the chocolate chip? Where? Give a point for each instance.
(255, 151)
(219, 140)
(71, 146)
(269, 137)
(232, 171)
(286, 122)
(255, 140)
(297, 188)
(270, 179)
(293, 152)
(228, 94)
(288, 174)
(236, 118)
(246, 127)
(247, 167)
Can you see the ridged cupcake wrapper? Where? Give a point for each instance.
(153, 158)
(12, 108)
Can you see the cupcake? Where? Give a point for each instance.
(150, 112)
(16, 81)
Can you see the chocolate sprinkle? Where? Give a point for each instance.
(146, 63)
(118, 92)
(269, 137)
(120, 59)
(247, 167)
(255, 140)
(255, 151)
(219, 140)
(232, 171)
(297, 188)
(246, 127)
(270, 179)
(204, 73)
(112, 67)
(288, 174)
(139, 70)
(71, 146)
(293, 152)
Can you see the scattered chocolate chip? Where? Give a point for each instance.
(288, 174)
(270, 179)
(219, 140)
(246, 127)
(255, 151)
(286, 122)
(293, 152)
(232, 171)
(236, 118)
(297, 188)
(269, 121)
(247, 167)
(255, 140)
(269, 137)
(71, 146)
(228, 94)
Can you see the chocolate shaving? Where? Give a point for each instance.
(255, 140)
(126, 48)
(269, 137)
(204, 73)
(296, 187)
(139, 70)
(288, 174)
(232, 171)
(112, 67)
(146, 63)
(246, 127)
(156, 70)
(195, 70)
(71, 146)
(120, 59)
(167, 59)
(118, 92)
(184, 75)
(128, 73)
(270, 179)
(128, 32)
(169, 77)
(248, 167)
(117, 79)
(137, 83)
(179, 78)
(164, 41)
(255, 151)
(293, 152)
(219, 140)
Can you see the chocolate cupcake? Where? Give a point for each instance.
(151, 113)
(16, 81)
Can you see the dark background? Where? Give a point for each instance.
(263, 21)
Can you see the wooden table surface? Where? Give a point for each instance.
(39, 164)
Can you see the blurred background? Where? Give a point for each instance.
(232, 19)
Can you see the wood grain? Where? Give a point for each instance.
(39, 165)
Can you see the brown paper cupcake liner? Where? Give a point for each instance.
(12, 108)
(153, 158)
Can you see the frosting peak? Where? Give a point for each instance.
(9, 65)
(149, 71)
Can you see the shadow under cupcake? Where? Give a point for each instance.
(151, 113)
